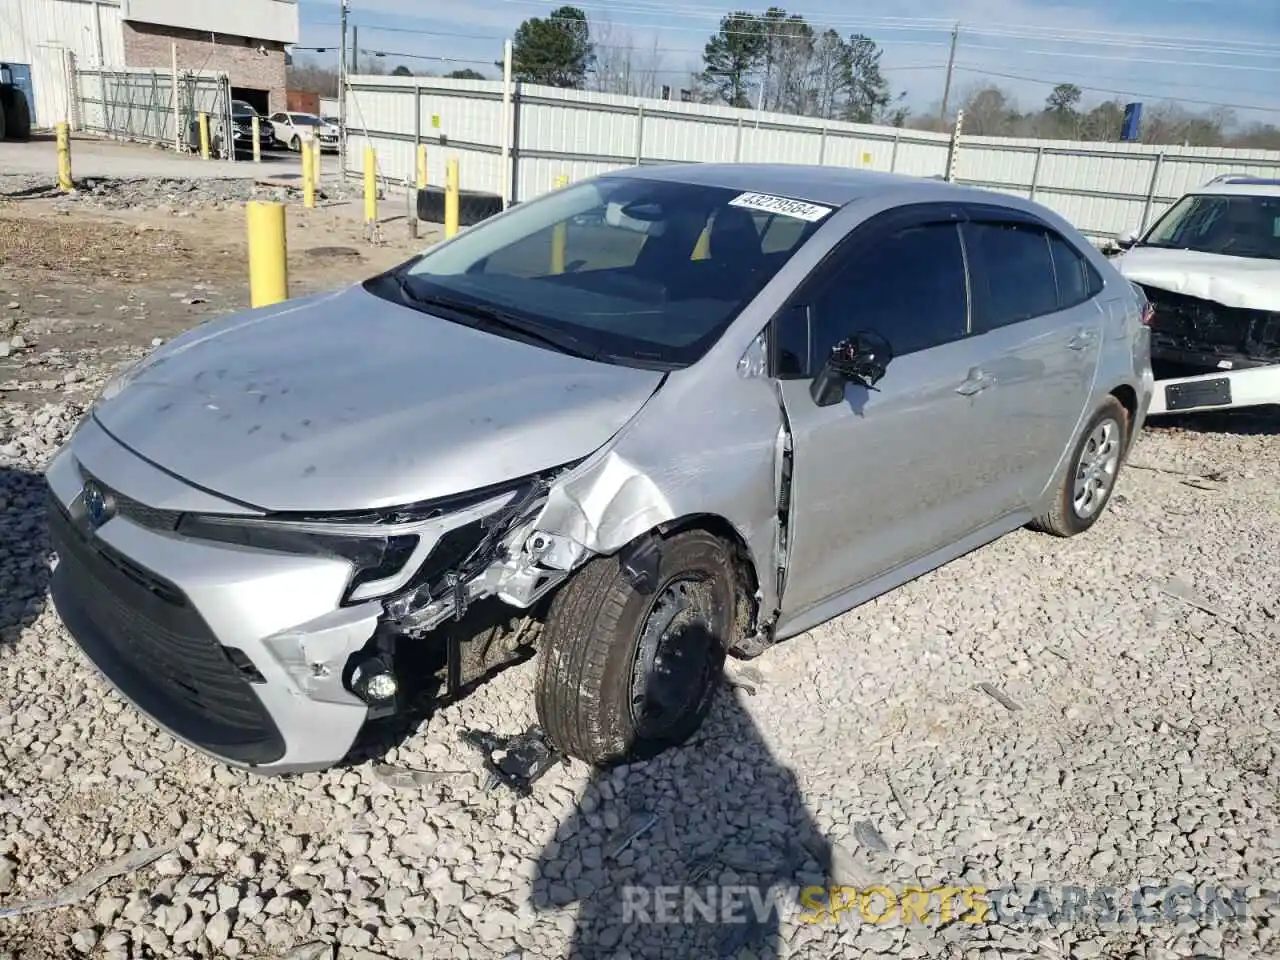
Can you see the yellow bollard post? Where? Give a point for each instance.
(257, 147)
(268, 253)
(64, 157)
(308, 177)
(559, 234)
(370, 184)
(702, 249)
(204, 136)
(422, 166)
(451, 212)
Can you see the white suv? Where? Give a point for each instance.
(1211, 268)
(293, 129)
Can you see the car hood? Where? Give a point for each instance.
(347, 401)
(1247, 282)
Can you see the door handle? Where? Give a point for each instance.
(976, 383)
(1081, 340)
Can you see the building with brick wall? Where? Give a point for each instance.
(246, 39)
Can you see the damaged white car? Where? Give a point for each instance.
(640, 423)
(1210, 267)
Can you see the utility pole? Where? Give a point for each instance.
(342, 94)
(951, 67)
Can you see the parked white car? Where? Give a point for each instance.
(293, 129)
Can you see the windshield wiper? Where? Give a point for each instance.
(496, 316)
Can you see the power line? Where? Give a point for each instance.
(1250, 48)
(1247, 68)
(929, 24)
(1124, 93)
(917, 23)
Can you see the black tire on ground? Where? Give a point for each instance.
(473, 206)
(296, 144)
(17, 115)
(1110, 420)
(590, 696)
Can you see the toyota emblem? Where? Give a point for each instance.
(97, 506)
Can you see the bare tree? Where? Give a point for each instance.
(621, 67)
(988, 111)
(828, 81)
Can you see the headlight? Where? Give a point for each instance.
(390, 550)
(372, 556)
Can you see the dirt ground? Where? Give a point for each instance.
(81, 283)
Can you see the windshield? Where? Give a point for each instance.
(1231, 224)
(630, 270)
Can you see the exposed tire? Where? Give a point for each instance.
(473, 206)
(1085, 486)
(296, 144)
(624, 674)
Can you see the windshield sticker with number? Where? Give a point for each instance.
(780, 205)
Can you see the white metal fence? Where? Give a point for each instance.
(1103, 188)
(148, 105)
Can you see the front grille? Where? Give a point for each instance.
(1189, 323)
(146, 637)
(153, 518)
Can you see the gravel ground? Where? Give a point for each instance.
(1127, 736)
(181, 195)
(1096, 712)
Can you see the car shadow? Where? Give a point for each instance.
(699, 852)
(24, 553)
(1260, 421)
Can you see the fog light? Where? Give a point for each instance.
(373, 682)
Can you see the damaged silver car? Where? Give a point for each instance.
(639, 424)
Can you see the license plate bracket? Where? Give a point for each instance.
(1200, 393)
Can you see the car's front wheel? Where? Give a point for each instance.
(296, 144)
(628, 669)
(1085, 486)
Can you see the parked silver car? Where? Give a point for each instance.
(641, 422)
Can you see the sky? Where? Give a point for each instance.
(1204, 53)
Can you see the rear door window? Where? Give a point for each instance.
(1013, 273)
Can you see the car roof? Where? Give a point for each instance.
(1242, 187)
(835, 186)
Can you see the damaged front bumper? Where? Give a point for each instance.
(1197, 333)
(256, 656)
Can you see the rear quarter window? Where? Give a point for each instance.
(1015, 276)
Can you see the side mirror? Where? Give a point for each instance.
(861, 359)
(1127, 239)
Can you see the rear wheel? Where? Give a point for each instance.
(1086, 484)
(624, 673)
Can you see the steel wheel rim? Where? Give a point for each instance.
(1096, 469)
(674, 656)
